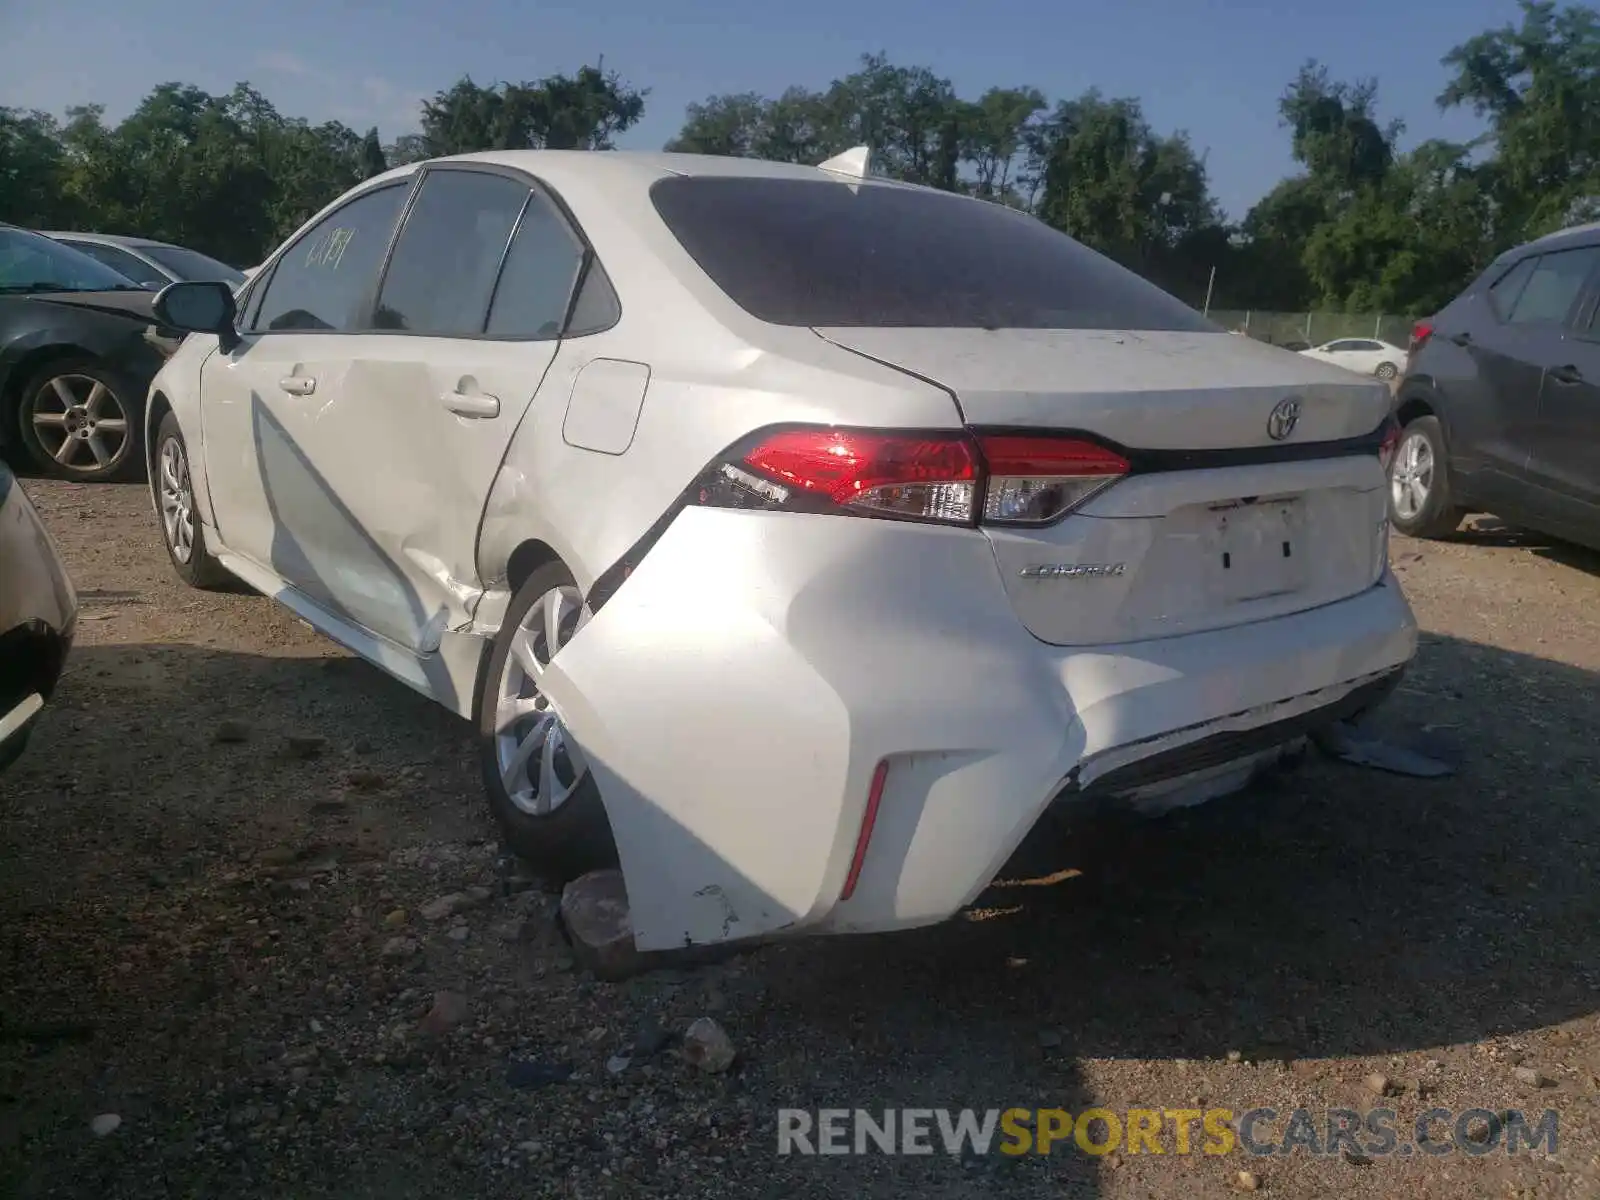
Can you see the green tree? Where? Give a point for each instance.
(1538, 85)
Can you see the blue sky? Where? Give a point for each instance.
(1214, 69)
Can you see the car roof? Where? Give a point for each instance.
(643, 167)
(1577, 235)
(113, 239)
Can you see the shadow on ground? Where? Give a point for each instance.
(1340, 912)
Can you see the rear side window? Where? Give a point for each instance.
(1503, 292)
(449, 253)
(1554, 286)
(816, 252)
(541, 268)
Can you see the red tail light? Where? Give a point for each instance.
(932, 476)
(1035, 480)
(1390, 443)
(945, 477)
(1420, 333)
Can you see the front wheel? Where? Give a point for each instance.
(1419, 483)
(1386, 371)
(540, 790)
(173, 486)
(80, 421)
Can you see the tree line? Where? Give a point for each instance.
(1361, 226)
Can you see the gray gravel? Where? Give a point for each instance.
(257, 940)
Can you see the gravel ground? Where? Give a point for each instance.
(218, 859)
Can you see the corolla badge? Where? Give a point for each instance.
(1072, 570)
(1285, 415)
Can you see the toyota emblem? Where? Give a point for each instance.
(1284, 417)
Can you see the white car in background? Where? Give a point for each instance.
(1366, 356)
(793, 537)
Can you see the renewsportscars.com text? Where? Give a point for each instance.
(1182, 1131)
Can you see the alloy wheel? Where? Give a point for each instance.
(177, 499)
(79, 422)
(1411, 477)
(539, 765)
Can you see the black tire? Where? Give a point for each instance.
(576, 838)
(1438, 515)
(40, 398)
(1386, 371)
(199, 569)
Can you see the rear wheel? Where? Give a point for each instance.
(1420, 504)
(80, 421)
(540, 789)
(1386, 371)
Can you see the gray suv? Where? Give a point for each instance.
(1500, 404)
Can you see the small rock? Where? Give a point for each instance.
(445, 906)
(1248, 1181)
(395, 918)
(707, 1046)
(459, 933)
(1235, 1056)
(366, 781)
(305, 746)
(594, 909)
(530, 1147)
(105, 1124)
(1531, 1077)
(449, 1010)
(617, 1064)
(652, 1038)
(232, 732)
(1377, 1084)
(398, 947)
(1355, 1159)
(362, 746)
(509, 930)
(524, 1074)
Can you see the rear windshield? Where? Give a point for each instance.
(193, 266)
(815, 252)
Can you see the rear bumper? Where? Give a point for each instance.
(735, 697)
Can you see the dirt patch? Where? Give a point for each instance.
(219, 860)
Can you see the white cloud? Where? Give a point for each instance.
(283, 64)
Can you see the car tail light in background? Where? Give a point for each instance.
(952, 478)
(1390, 443)
(1420, 333)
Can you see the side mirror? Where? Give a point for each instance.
(199, 307)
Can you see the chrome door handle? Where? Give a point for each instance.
(298, 385)
(475, 404)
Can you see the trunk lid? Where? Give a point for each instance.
(1188, 548)
(1151, 390)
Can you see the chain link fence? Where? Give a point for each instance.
(1300, 330)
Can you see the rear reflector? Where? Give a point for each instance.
(1420, 333)
(1390, 443)
(868, 819)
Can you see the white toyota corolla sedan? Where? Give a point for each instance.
(793, 537)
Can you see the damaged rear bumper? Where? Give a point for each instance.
(737, 696)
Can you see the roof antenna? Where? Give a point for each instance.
(854, 162)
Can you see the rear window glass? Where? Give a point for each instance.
(815, 252)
